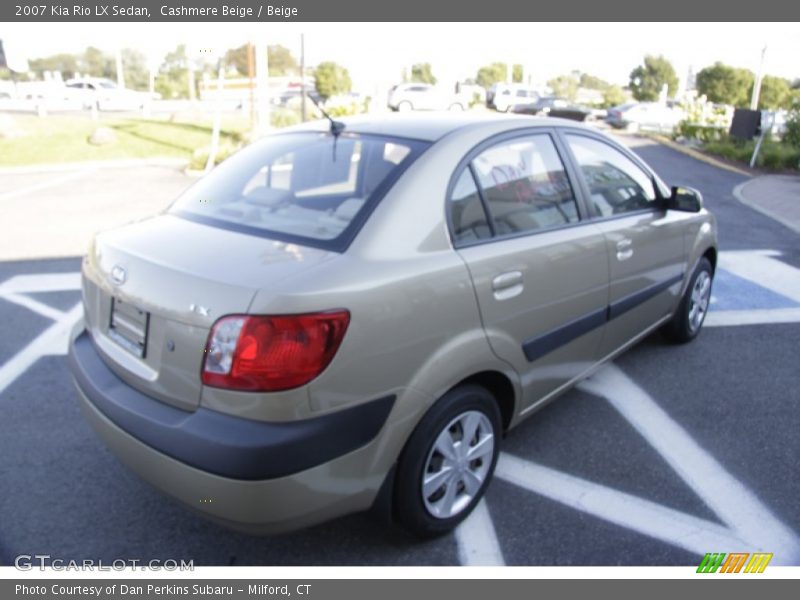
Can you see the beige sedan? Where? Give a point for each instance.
(351, 315)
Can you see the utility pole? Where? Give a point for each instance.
(757, 83)
(262, 86)
(212, 151)
(251, 84)
(303, 76)
(120, 73)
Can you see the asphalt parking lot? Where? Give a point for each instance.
(669, 453)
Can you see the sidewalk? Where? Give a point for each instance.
(777, 196)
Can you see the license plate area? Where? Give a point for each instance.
(128, 327)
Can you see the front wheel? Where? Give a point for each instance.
(691, 313)
(448, 462)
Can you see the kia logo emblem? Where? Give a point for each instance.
(118, 275)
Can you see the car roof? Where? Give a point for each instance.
(430, 126)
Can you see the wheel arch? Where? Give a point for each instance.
(501, 388)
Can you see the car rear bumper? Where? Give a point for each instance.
(255, 476)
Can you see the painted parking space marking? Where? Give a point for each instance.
(732, 292)
(477, 539)
(748, 293)
(764, 268)
(753, 287)
(748, 524)
(631, 512)
(52, 182)
(730, 500)
(44, 282)
(53, 340)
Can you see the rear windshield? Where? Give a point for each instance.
(304, 187)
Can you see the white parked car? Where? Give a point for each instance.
(423, 96)
(652, 116)
(105, 94)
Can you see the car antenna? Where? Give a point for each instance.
(337, 127)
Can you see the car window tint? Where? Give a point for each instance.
(616, 184)
(525, 185)
(467, 214)
(306, 185)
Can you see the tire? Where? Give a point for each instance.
(438, 510)
(405, 106)
(688, 319)
(456, 106)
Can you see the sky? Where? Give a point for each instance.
(378, 52)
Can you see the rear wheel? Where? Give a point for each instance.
(448, 462)
(691, 313)
(405, 106)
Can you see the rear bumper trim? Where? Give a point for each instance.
(218, 443)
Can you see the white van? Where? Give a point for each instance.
(503, 96)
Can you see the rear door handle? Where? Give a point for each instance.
(507, 285)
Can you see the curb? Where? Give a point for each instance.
(699, 155)
(156, 161)
(737, 193)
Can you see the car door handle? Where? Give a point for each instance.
(624, 250)
(507, 285)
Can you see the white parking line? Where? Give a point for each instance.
(646, 517)
(44, 282)
(477, 539)
(736, 505)
(34, 305)
(763, 268)
(45, 184)
(728, 318)
(52, 341)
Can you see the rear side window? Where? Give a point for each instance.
(467, 214)
(525, 185)
(300, 186)
(617, 185)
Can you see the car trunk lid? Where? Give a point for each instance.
(153, 289)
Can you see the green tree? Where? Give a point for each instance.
(96, 63)
(792, 134)
(516, 73)
(613, 95)
(565, 86)
(421, 72)
(725, 85)
(281, 61)
(590, 82)
(66, 64)
(776, 92)
(134, 67)
(331, 79)
(172, 80)
(491, 74)
(648, 79)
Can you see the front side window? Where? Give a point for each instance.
(304, 185)
(525, 185)
(617, 185)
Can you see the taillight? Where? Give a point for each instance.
(272, 353)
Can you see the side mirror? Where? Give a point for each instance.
(686, 199)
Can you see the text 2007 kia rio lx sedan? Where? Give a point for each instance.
(353, 314)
